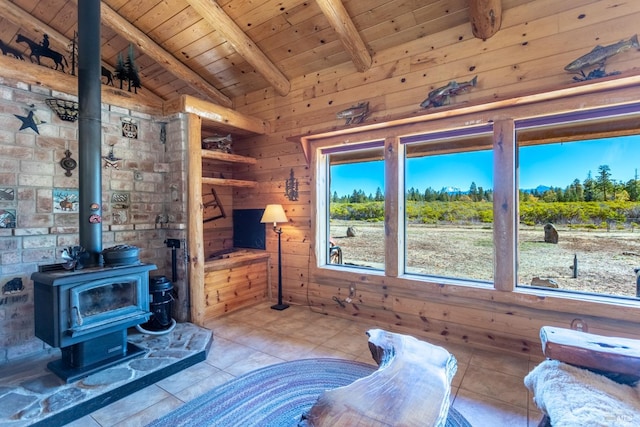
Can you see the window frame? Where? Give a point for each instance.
(464, 139)
(322, 216)
(503, 114)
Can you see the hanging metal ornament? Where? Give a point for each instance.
(111, 161)
(67, 163)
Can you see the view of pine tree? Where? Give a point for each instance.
(633, 189)
(603, 188)
(473, 191)
(379, 197)
(589, 189)
(604, 180)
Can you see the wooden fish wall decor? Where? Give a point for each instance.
(442, 95)
(355, 114)
(218, 143)
(598, 57)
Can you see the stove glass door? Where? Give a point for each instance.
(104, 301)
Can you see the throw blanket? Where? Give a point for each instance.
(575, 397)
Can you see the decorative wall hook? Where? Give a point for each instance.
(67, 163)
(111, 161)
(163, 132)
(66, 110)
(291, 187)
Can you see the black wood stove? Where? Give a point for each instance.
(87, 312)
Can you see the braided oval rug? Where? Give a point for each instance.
(275, 395)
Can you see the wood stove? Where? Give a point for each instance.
(87, 312)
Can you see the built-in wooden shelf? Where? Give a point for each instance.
(219, 286)
(229, 182)
(226, 157)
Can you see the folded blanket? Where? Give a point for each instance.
(575, 397)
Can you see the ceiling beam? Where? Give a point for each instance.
(15, 14)
(485, 17)
(341, 22)
(45, 77)
(121, 26)
(232, 33)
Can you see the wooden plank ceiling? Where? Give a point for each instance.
(219, 50)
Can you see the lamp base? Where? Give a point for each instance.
(280, 306)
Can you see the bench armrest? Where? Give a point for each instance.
(619, 356)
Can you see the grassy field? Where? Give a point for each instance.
(606, 259)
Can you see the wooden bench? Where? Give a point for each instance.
(584, 376)
(410, 388)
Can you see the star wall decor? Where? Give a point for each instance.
(30, 121)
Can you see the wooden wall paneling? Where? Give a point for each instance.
(433, 329)
(258, 33)
(593, 13)
(157, 15)
(46, 11)
(457, 18)
(66, 20)
(198, 32)
(215, 240)
(249, 16)
(276, 44)
(368, 15)
(456, 50)
(176, 24)
(204, 56)
(195, 224)
(132, 9)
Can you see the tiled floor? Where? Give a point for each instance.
(487, 389)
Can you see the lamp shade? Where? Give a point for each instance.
(274, 214)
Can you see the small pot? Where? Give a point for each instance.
(121, 255)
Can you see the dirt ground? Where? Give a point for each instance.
(605, 260)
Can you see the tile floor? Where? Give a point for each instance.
(487, 389)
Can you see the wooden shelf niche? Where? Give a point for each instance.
(213, 177)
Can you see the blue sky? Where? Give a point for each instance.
(554, 165)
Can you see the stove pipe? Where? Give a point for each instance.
(89, 129)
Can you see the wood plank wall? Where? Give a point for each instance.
(526, 56)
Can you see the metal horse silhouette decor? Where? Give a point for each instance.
(38, 50)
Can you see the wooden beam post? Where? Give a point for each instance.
(505, 200)
(161, 56)
(220, 21)
(393, 207)
(485, 17)
(226, 117)
(195, 224)
(341, 22)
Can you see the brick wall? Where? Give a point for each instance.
(142, 197)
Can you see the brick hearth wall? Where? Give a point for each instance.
(150, 171)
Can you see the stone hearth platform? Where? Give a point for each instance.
(30, 394)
